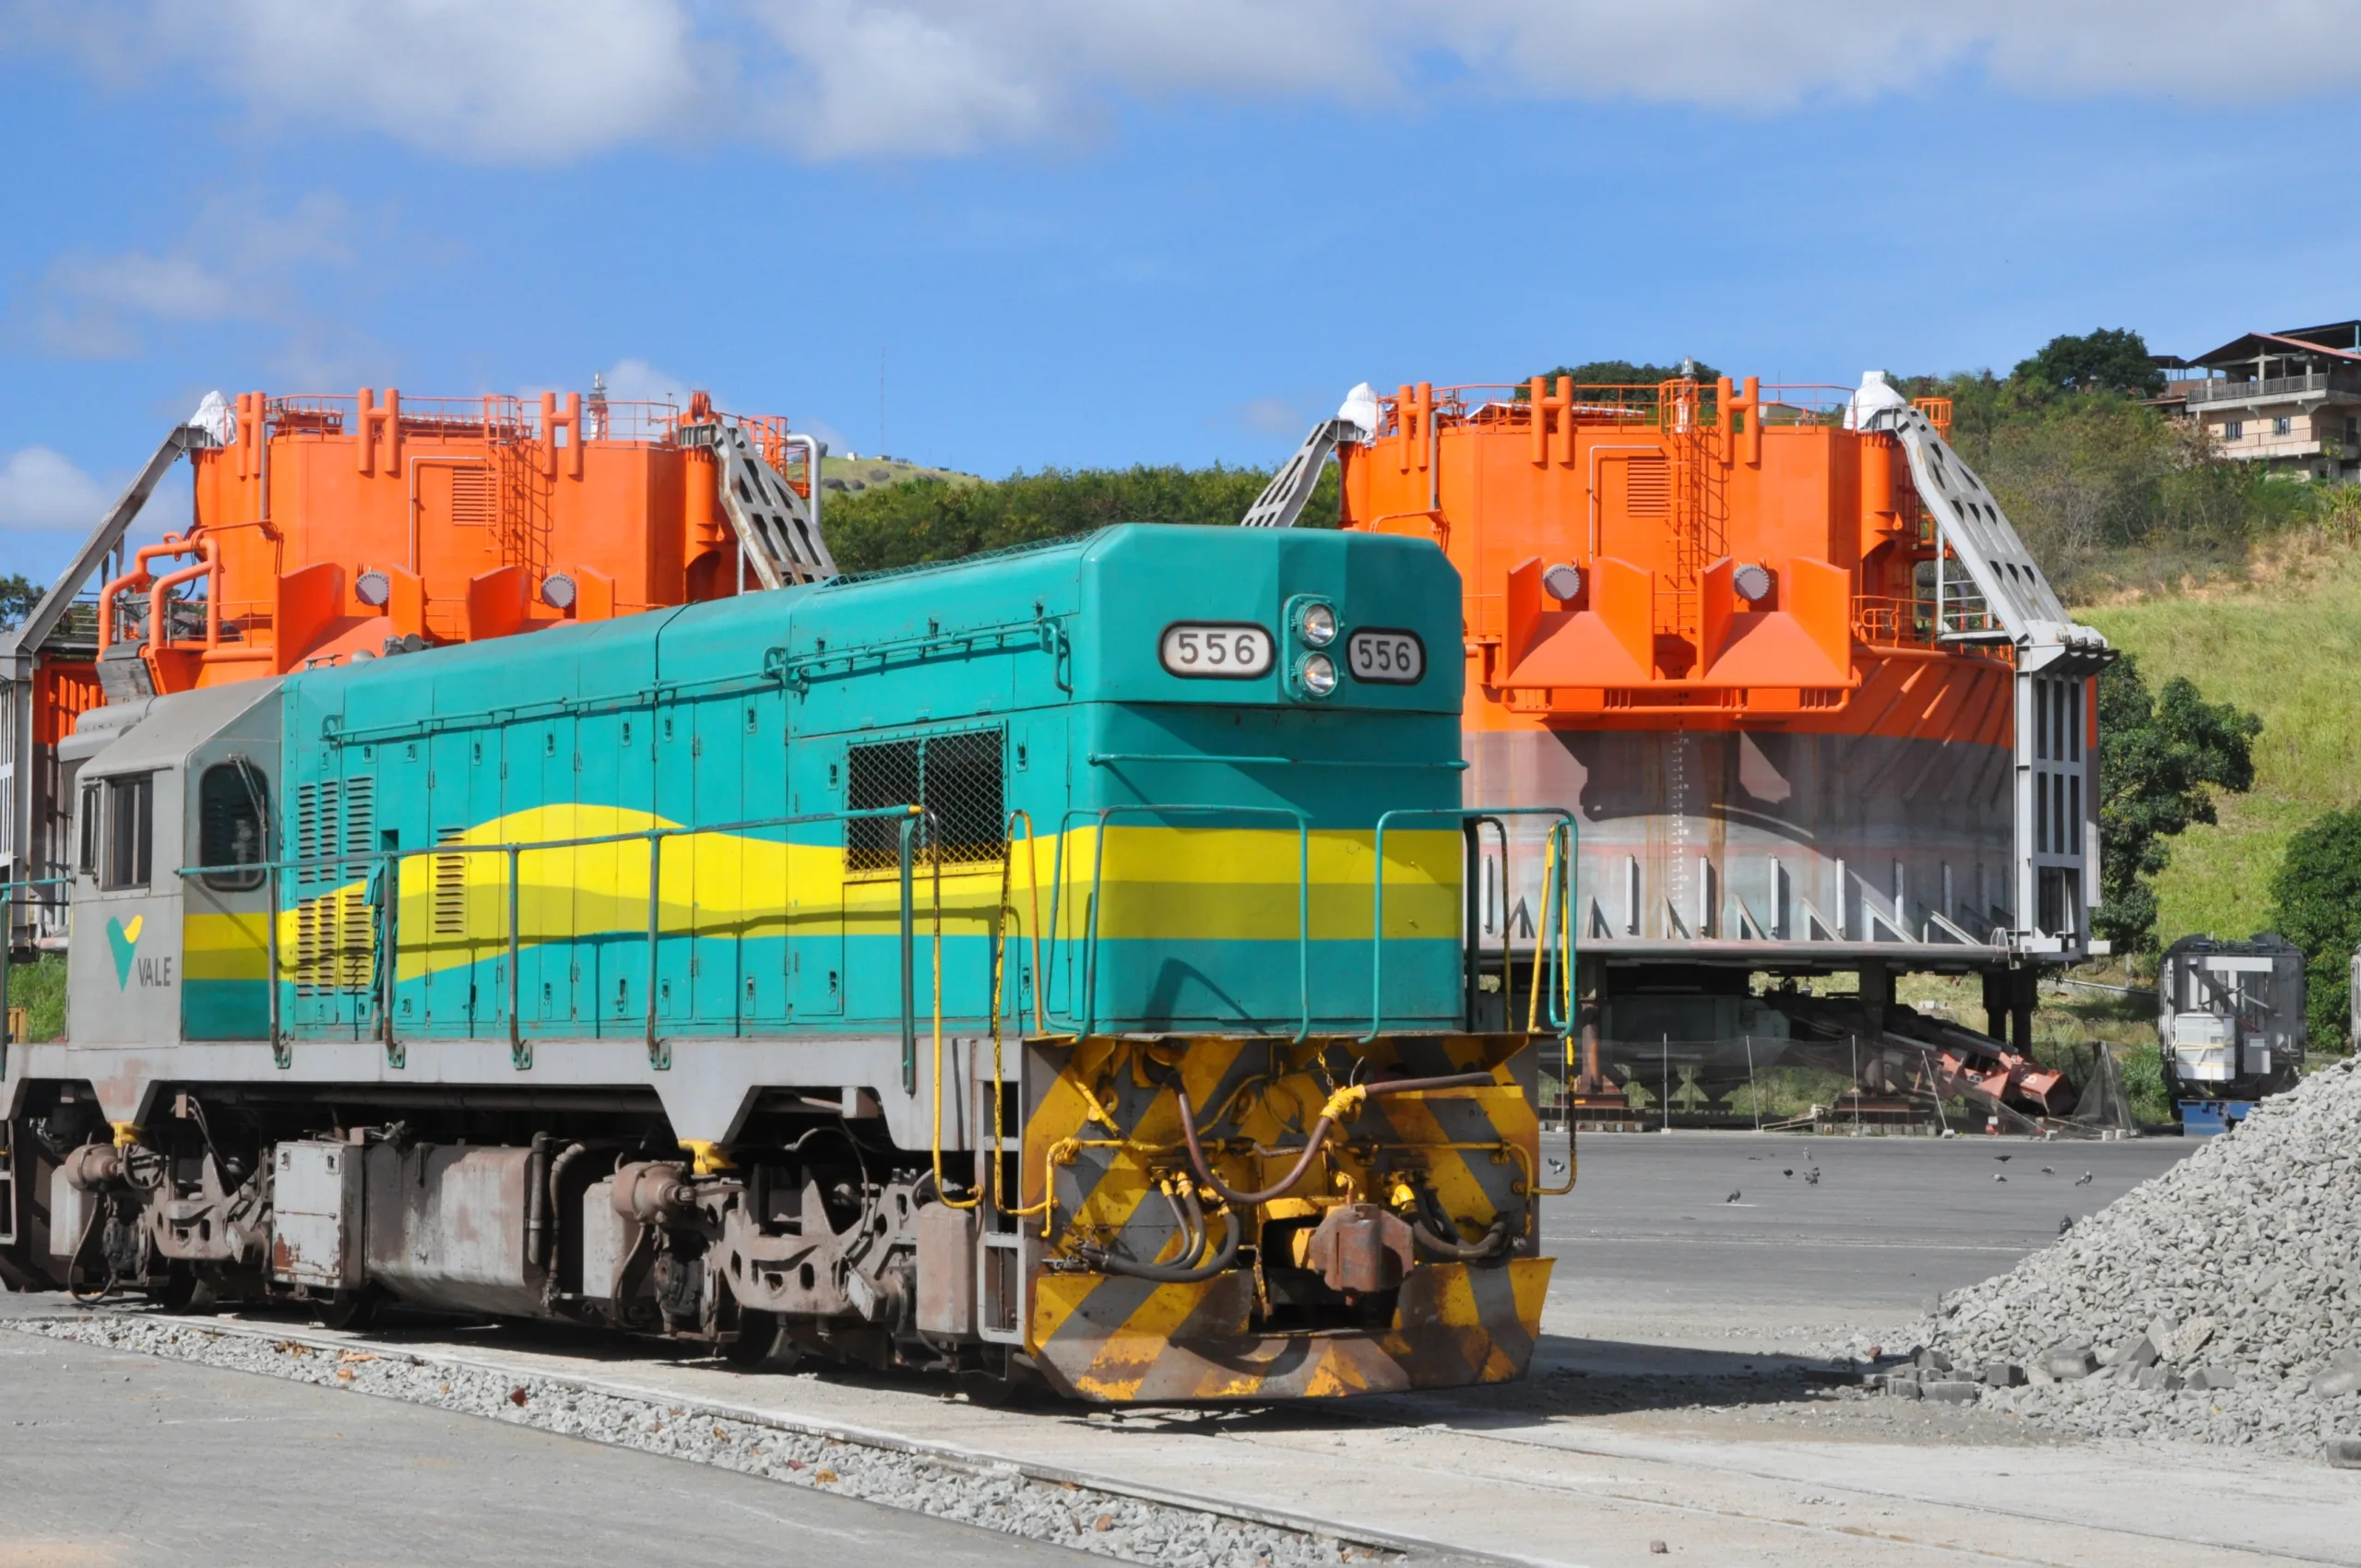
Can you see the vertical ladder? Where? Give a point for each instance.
(1010, 1245)
(1691, 500)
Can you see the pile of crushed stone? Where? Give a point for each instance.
(2219, 1302)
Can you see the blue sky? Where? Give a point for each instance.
(1065, 233)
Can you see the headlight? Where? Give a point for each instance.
(1317, 673)
(1318, 626)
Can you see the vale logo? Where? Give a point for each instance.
(125, 942)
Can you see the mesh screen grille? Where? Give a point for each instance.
(957, 778)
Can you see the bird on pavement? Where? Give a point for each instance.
(1997, 1177)
(2084, 1179)
(1733, 1197)
(2065, 1225)
(2004, 1158)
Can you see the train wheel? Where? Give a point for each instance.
(184, 1291)
(763, 1345)
(1012, 1385)
(348, 1309)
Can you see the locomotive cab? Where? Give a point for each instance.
(159, 956)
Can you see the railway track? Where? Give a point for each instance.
(1770, 1471)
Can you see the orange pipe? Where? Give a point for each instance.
(174, 544)
(206, 566)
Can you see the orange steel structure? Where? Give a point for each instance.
(1781, 652)
(1658, 497)
(325, 527)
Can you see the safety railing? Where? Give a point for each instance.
(1652, 406)
(1089, 987)
(1558, 869)
(2215, 391)
(1894, 623)
(496, 417)
(384, 867)
(1081, 1016)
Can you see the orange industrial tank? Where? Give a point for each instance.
(1813, 702)
(332, 528)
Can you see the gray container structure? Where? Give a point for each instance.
(2230, 1017)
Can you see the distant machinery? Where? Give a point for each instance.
(2230, 1026)
(1814, 702)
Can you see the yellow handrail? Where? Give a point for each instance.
(1548, 889)
(1000, 980)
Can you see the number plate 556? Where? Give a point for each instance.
(1216, 649)
(1395, 657)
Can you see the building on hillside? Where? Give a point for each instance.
(2289, 399)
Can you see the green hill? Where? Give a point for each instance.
(852, 476)
(2286, 644)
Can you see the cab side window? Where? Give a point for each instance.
(230, 806)
(127, 831)
(86, 860)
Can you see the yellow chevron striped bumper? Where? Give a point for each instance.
(1106, 1174)
(1127, 1341)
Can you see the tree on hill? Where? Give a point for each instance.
(1623, 373)
(2161, 759)
(2318, 890)
(2109, 359)
(931, 520)
(18, 594)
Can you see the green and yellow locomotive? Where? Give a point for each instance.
(1055, 964)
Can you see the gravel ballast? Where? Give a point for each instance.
(993, 1496)
(2219, 1301)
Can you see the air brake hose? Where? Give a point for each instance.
(1180, 1274)
(1341, 1106)
(1456, 1250)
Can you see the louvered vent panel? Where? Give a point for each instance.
(450, 887)
(1648, 490)
(474, 499)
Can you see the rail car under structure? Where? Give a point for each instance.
(1053, 965)
(1812, 700)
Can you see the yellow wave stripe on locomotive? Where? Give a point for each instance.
(1156, 883)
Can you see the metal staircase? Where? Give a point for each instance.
(1282, 501)
(780, 534)
(2008, 600)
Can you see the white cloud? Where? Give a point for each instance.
(41, 491)
(636, 381)
(237, 263)
(1272, 416)
(489, 81)
(507, 81)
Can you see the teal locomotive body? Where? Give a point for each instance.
(817, 972)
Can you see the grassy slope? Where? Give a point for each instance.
(2290, 649)
(860, 473)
